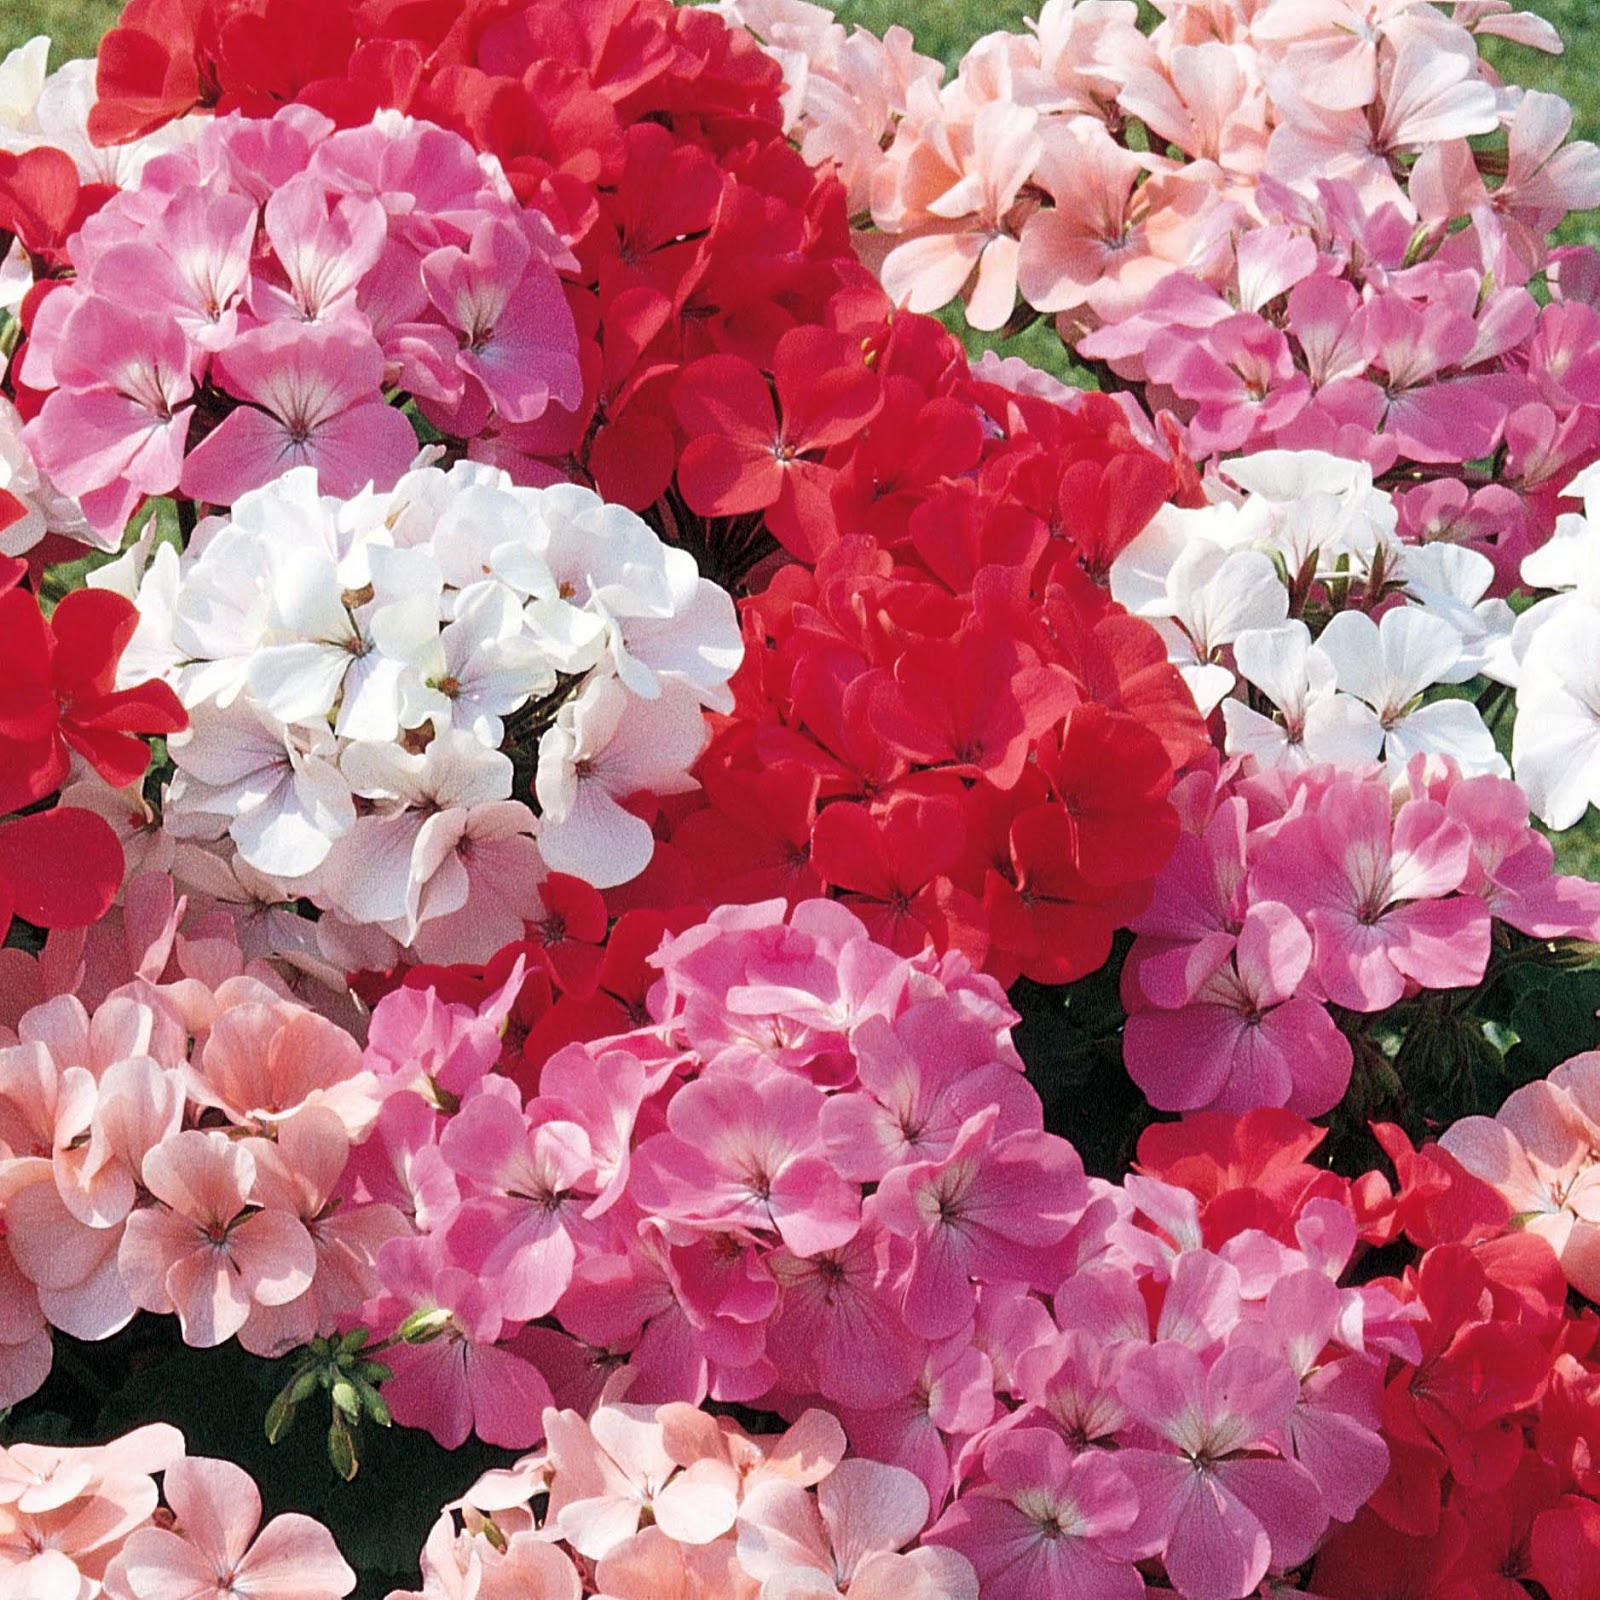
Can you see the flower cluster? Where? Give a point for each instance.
(77, 1523)
(251, 303)
(661, 1502)
(365, 677)
(178, 1146)
(651, 135)
(818, 1179)
(944, 720)
(1290, 893)
(1299, 226)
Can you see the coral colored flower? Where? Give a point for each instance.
(205, 1251)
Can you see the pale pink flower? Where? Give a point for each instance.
(1220, 1509)
(315, 398)
(988, 164)
(612, 1470)
(846, 1539)
(205, 1251)
(1538, 1151)
(215, 1551)
(653, 1566)
(264, 1061)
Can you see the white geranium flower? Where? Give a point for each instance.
(1389, 665)
(605, 746)
(1317, 722)
(276, 790)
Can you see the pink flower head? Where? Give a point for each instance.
(747, 1154)
(846, 1540)
(315, 398)
(206, 1251)
(1044, 1524)
(1538, 1150)
(991, 1209)
(1245, 1038)
(518, 346)
(1375, 888)
(1219, 1502)
(214, 1552)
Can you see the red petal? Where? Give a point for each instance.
(62, 868)
(92, 629)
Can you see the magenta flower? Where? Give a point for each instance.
(1245, 1038)
(1375, 888)
(462, 1381)
(1045, 1524)
(216, 1553)
(315, 398)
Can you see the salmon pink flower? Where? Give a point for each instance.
(204, 1250)
(216, 1551)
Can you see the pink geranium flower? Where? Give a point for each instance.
(1538, 1150)
(214, 1552)
(1375, 887)
(315, 398)
(991, 1209)
(846, 1539)
(1245, 1038)
(206, 1251)
(1045, 1524)
(1217, 1500)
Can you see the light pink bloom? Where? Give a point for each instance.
(610, 1471)
(987, 166)
(653, 1566)
(215, 1553)
(204, 1251)
(264, 1061)
(847, 1539)
(314, 397)
(1538, 1151)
